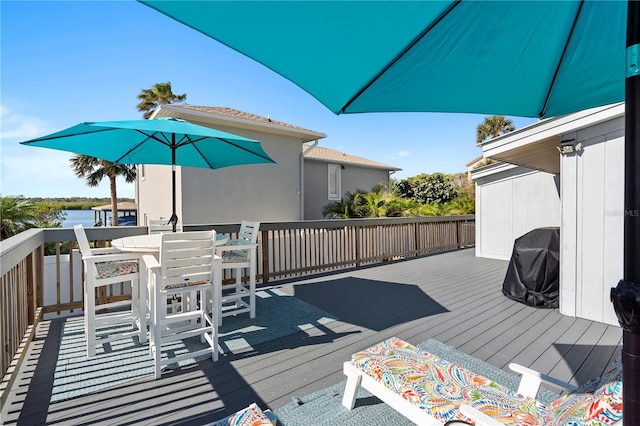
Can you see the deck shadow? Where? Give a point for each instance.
(581, 360)
(376, 305)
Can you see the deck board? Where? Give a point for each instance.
(454, 297)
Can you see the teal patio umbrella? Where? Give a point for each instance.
(167, 141)
(522, 58)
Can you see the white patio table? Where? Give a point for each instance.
(150, 243)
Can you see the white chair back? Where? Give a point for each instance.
(249, 231)
(83, 242)
(187, 256)
(159, 226)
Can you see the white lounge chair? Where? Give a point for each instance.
(429, 390)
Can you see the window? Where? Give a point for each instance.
(141, 171)
(334, 182)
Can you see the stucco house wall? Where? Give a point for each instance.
(316, 185)
(257, 192)
(153, 193)
(511, 201)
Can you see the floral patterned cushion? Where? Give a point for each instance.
(116, 268)
(439, 387)
(435, 385)
(598, 402)
(250, 416)
(185, 283)
(237, 256)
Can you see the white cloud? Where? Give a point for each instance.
(19, 126)
(399, 154)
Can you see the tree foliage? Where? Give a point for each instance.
(428, 188)
(159, 94)
(446, 195)
(492, 127)
(18, 214)
(94, 170)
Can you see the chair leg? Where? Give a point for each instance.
(142, 307)
(90, 320)
(157, 333)
(238, 285)
(353, 382)
(252, 288)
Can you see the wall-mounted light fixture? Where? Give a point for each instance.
(569, 147)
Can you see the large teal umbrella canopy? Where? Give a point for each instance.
(168, 141)
(522, 58)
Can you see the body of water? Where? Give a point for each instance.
(81, 217)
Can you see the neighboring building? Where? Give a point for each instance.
(472, 165)
(260, 192)
(329, 174)
(582, 155)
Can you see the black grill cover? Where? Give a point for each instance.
(533, 274)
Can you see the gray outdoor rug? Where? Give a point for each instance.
(277, 314)
(324, 407)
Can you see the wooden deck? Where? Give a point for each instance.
(454, 297)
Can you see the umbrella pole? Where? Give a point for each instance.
(626, 296)
(174, 217)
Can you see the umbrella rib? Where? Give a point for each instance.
(400, 55)
(136, 146)
(248, 150)
(66, 136)
(557, 71)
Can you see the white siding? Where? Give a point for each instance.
(592, 222)
(511, 203)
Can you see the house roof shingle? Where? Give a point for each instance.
(331, 155)
(238, 117)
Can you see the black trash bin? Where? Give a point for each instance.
(533, 276)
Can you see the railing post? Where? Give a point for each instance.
(39, 279)
(416, 238)
(265, 257)
(31, 289)
(458, 234)
(356, 229)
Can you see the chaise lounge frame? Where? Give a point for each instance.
(530, 382)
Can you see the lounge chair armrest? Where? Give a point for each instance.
(478, 417)
(531, 380)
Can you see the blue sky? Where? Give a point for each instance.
(63, 63)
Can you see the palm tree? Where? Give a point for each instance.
(95, 169)
(159, 94)
(16, 215)
(493, 127)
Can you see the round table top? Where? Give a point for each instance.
(150, 243)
